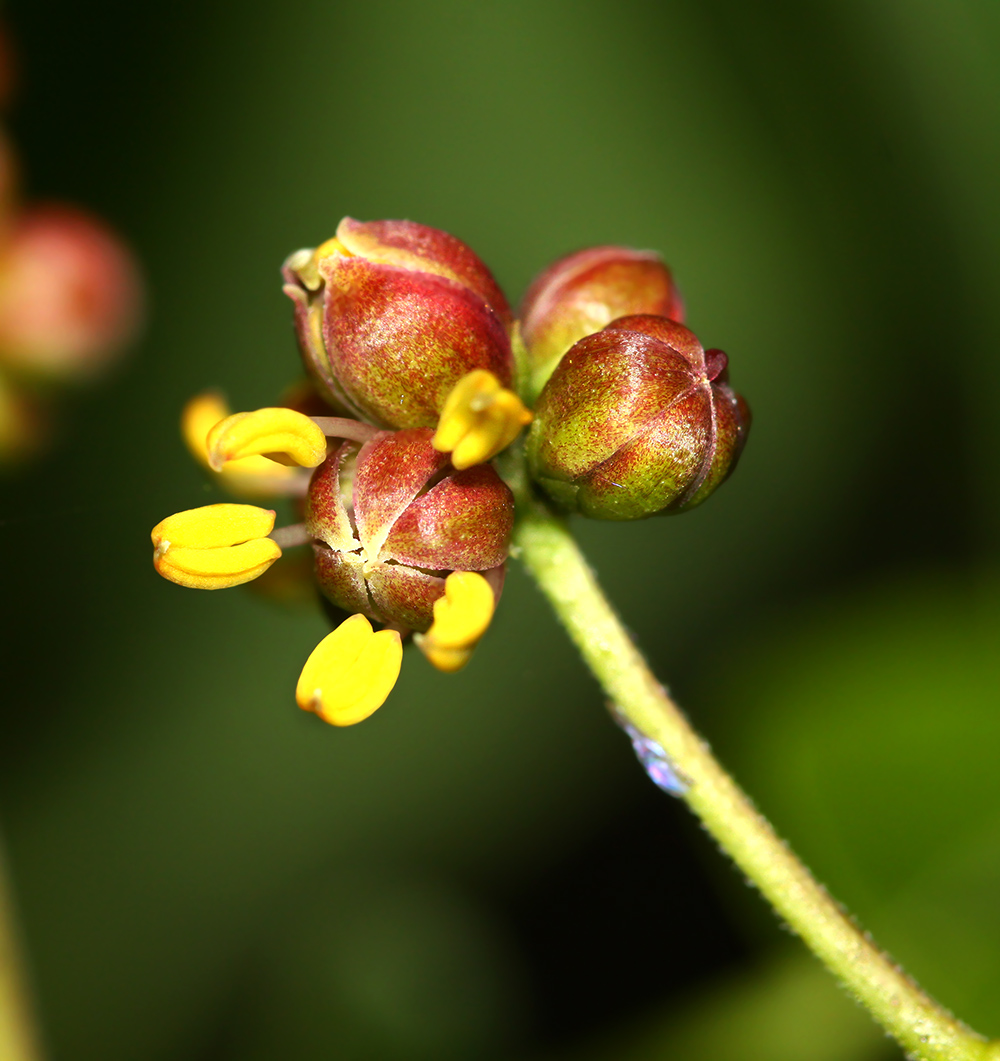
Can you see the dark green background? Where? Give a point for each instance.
(481, 870)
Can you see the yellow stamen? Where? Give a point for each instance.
(282, 432)
(350, 672)
(249, 477)
(215, 547)
(461, 617)
(479, 419)
(331, 246)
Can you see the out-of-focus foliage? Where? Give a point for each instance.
(201, 867)
(887, 784)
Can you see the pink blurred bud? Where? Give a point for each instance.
(70, 295)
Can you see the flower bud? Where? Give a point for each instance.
(585, 291)
(392, 518)
(637, 419)
(390, 315)
(69, 294)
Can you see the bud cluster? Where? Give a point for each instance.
(419, 376)
(69, 298)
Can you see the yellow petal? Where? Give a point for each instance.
(350, 672)
(277, 430)
(479, 419)
(200, 415)
(463, 614)
(215, 547)
(214, 526)
(447, 660)
(217, 568)
(461, 617)
(251, 476)
(332, 246)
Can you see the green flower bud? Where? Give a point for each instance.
(636, 420)
(390, 315)
(582, 293)
(391, 519)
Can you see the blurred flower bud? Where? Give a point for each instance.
(69, 294)
(392, 518)
(637, 419)
(585, 291)
(390, 315)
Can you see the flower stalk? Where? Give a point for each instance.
(922, 1026)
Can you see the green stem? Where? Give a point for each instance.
(924, 1028)
(18, 1041)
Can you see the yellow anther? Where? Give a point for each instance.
(461, 617)
(331, 246)
(479, 419)
(350, 672)
(248, 477)
(215, 547)
(282, 432)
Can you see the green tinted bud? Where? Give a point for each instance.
(584, 292)
(636, 420)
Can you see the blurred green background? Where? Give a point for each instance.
(481, 870)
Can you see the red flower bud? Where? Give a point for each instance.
(391, 314)
(69, 293)
(635, 420)
(392, 519)
(585, 291)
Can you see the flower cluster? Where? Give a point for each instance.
(419, 376)
(69, 299)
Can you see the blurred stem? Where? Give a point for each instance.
(18, 1041)
(925, 1029)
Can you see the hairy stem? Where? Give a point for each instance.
(18, 1041)
(924, 1028)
